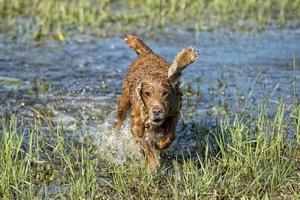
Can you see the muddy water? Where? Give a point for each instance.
(78, 82)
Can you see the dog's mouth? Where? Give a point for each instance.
(157, 121)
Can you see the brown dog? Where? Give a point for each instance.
(151, 89)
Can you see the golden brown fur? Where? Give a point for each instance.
(151, 89)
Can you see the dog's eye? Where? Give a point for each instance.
(165, 93)
(146, 94)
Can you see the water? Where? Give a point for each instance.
(116, 146)
(79, 82)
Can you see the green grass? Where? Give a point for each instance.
(254, 159)
(36, 19)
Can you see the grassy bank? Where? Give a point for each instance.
(35, 19)
(254, 159)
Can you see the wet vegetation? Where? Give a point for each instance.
(252, 159)
(239, 135)
(35, 19)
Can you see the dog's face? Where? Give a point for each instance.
(160, 94)
(159, 97)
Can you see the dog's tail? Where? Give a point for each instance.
(137, 45)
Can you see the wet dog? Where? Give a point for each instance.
(151, 90)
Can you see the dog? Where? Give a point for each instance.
(151, 89)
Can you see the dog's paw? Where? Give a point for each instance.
(162, 143)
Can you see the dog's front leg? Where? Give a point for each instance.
(137, 129)
(152, 157)
(167, 139)
(123, 106)
(137, 124)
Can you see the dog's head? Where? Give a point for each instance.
(159, 97)
(160, 94)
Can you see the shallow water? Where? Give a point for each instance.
(79, 82)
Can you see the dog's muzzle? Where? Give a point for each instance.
(157, 116)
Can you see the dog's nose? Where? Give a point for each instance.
(156, 111)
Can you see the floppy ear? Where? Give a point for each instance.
(138, 92)
(185, 57)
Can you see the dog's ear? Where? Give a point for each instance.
(138, 92)
(185, 57)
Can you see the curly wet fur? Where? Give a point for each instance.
(152, 73)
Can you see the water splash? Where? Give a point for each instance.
(116, 146)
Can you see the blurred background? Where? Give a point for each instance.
(36, 19)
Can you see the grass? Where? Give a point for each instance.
(254, 159)
(37, 19)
